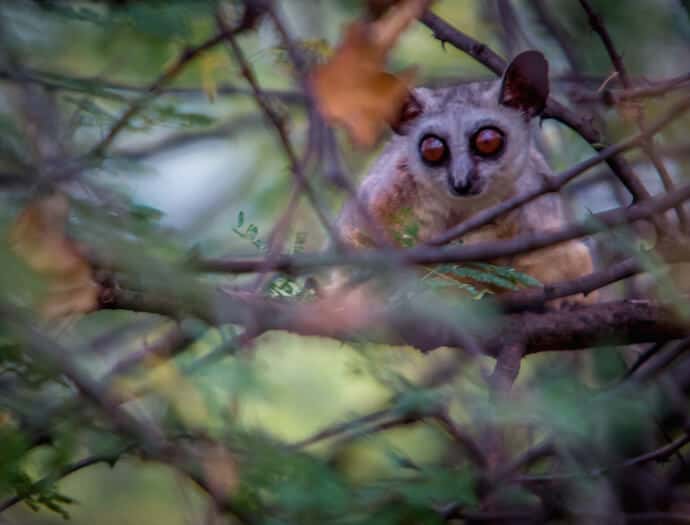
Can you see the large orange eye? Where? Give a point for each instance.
(488, 142)
(433, 150)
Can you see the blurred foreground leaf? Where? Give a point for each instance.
(38, 237)
(353, 89)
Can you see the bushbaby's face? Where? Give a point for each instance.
(465, 142)
(474, 139)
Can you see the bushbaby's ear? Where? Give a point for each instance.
(411, 109)
(525, 84)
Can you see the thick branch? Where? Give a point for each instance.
(625, 322)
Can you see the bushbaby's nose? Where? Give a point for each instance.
(459, 186)
(463, 180)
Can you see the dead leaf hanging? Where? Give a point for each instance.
(353, 89)
(38, 237)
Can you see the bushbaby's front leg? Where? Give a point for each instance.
(562, 262)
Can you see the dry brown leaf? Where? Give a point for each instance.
(353, 89)
(38, 237)
(389, 27)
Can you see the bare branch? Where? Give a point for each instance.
(612, 97)
(648, 145)
(279, 125)
(559, 34)
(537, 297)
(187, 56)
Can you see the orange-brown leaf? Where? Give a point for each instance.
(353, 89)
(387, 29)
(38, 237)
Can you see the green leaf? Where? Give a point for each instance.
(508, 273)
(145, 213)
(437, 284)
(479, 276)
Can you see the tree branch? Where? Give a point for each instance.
(187, 56)
(647, 144)
(622, 322)
(296, 167)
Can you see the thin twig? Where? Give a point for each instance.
(613, 97)
(537, 297)
(559, 34)
(462, 438)
(343, 428)
(279, 125)
(659, 454)
(598, 26)
(187, 56)
(147, 436)
(104, 88)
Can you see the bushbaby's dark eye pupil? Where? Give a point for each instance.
(433, 150)
(487, 142)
